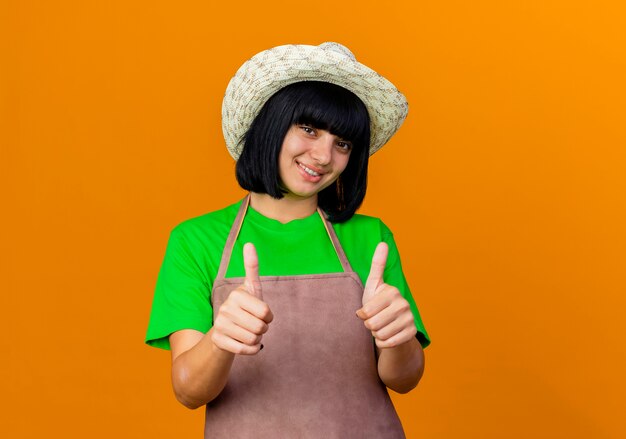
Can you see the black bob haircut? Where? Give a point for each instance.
(324, 106)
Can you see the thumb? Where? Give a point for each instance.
(375, 278)
(251, 265)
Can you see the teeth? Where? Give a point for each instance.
(309, 171)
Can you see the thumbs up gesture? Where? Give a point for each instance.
(385, 312)
(243, 318)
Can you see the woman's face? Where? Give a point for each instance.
(310, 160)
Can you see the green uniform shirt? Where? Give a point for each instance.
(182, 298)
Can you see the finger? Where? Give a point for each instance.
(248, 322)
(402, 337)
(251, 266)
(386, 304)
(391, 327)
(228, 344)
(237, 333)
(380, 319)
(375, 277)
(378, 302)
(253, 305)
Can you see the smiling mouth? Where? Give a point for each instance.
(309, 171)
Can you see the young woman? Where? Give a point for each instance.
(287, 314)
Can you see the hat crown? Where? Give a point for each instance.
(339, 48)
(268, 71)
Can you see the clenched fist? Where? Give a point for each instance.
(243, 318)
(385, 312)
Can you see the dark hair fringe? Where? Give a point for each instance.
(324, 106)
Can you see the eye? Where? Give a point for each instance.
(344, 145)
(307, 129)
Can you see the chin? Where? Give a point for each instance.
(299, 191)
(301, 194)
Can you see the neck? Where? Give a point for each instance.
(284, 210)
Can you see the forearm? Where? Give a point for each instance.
(200, 373)
(402, 366)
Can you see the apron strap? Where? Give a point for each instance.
(236, 227)
(333, 237)
(232, 237)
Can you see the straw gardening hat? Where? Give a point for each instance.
(269, 71)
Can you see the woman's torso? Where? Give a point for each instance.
(317, 376)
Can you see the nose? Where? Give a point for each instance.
(323, 149)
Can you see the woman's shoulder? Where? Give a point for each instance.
(363, 224)
(208, 230)
(218, 218)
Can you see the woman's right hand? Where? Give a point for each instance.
(201, 362)
(243, 318)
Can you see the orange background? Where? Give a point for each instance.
(505, 189)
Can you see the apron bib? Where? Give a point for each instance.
(316, 376)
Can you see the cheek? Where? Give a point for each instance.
(343, 161)
(283, 158)
(282, 168)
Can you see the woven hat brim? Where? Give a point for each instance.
(269, 71)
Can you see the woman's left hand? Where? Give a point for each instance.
(385, 312)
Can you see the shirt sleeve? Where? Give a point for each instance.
(182, 294)
(395, 276)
